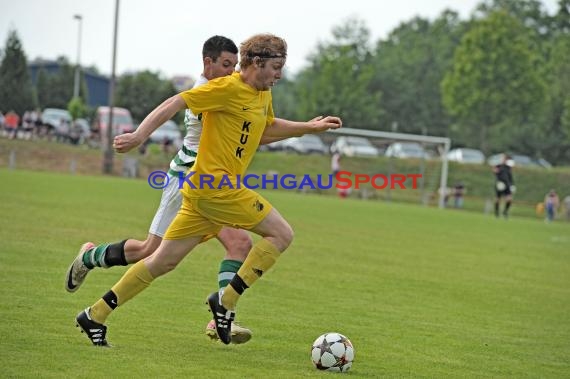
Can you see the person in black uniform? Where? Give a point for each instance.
(504, 185)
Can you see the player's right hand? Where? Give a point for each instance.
(125, 142)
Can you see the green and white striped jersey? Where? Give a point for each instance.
(186, 156)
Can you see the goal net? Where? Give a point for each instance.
(399, 166)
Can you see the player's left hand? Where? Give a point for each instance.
(320, 124)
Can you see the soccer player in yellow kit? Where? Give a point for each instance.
(219, 57)
(237, 113)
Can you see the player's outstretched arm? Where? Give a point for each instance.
(164, 112)
(281, 128)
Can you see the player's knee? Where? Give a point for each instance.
(285, 237)
(159, 267)
(138, 250)
(149, 246)
(240, 248)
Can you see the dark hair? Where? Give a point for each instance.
(214, 46)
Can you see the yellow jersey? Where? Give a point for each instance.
(234, 116)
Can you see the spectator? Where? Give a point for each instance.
(458, 192)
(74, 135)
(335, 169)
(504, 185)
(446, 192)
(62, 132)
(335, 163)
(37, 122)
(27, 125)
(551, 203)
(166, 145)
(11, 121)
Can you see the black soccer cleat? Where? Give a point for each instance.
(95, 332)
(222, 318)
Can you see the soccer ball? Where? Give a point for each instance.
(332, 352)
(501, 186)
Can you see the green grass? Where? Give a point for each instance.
(532, 183)
(421, 292)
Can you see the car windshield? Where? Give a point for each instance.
(472, 154)
(170, 126)
(356, 141)
(523, 160)
(119, 119)
(412, 148)
(56, 113)
(82, 122)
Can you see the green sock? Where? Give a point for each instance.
(95, 257)
(228, 268)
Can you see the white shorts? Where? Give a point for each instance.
(170, 203)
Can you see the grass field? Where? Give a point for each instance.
(532, 184)
(422, 293)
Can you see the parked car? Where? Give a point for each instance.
(56, 122)
(354, 147)
(122, 121)
(406, 150)
(53, 117)
(169, 131)
(306, 144)
(80, 132)
(520, 160)
(273, 146)
(465, 155)
(543, 162)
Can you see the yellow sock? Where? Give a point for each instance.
(259, 260)
(100, 311)
(134, 281)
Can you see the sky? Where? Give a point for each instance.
(166, 36)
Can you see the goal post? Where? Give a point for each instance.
(438, 146)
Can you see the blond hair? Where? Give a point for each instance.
(263, 46)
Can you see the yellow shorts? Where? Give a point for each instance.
(205, 216)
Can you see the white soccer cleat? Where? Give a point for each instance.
(239, 333)
(77, 271)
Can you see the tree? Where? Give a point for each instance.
(556, 139)
(494, 87)
(42, 88)
(550, 35)
(141, 92)
(76, 108)
(55, 90)
(562, 18)
(565, 122)
(15, 84)
(285, 99)
(409, 67)
(530, 13)
(338, 79)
